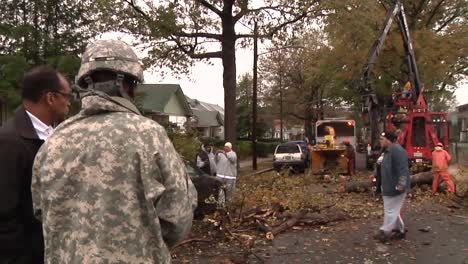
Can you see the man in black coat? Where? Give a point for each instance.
(45, 100)
(205, 159)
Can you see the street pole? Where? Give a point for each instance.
(281, 107)
(254, 100)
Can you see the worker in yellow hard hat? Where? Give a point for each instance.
(330, 137)
(406, 94)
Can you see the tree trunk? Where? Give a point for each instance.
(228, 45)
(416, 179)
(322, 219)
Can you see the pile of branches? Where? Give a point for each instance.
(265, 223)
(274, 220)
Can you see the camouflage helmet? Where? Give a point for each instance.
(114, 55)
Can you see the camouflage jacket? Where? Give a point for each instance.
(110, 187)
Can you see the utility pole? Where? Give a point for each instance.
(254, 99)
(281, 103)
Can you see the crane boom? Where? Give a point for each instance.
(370, 101)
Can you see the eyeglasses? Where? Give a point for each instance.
(67, 96)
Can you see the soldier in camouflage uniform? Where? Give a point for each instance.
(108, 184)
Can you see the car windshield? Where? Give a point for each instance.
(290, 148)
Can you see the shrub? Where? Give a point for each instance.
(186, 145)
(243, 149)
(265, 148)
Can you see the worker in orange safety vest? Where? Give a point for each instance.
(440, 161)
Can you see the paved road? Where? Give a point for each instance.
(446, 241)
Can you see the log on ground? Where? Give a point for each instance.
(416, 179)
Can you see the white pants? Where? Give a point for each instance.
(392, 216)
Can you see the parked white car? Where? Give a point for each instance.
(289, 155)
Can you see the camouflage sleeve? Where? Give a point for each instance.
(176, 204)
(36, 184)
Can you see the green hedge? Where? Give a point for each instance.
(266, 148)
(244, 149)
(188, 146)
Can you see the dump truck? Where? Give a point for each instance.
(329, 152)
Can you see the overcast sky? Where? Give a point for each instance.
(205, 82)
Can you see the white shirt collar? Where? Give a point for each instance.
(43, 131)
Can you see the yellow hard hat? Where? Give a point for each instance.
(407, 85)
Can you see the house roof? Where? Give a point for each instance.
(156, 97)
(208, 115)
(208, 118)
(462, 108)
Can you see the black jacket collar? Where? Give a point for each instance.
(23, 124)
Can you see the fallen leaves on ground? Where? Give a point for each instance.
(275, 197)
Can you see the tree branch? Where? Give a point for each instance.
(210, 7)
(447, 22)
(282, 25)
(417, 13)
(296, 116)
(198, 35)
(138, 9)
(238, 36)
(244, 10)
(434, 12)
(206, 55)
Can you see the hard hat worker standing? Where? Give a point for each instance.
(351, 157)
(109, 184)
(440, 161)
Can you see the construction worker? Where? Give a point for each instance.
(440, 161)
(330, 137)
(406, 94)
(351, 157)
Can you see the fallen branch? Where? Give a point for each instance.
(260, 172)
(258, 213)
(325, 207)
(190, 240)
(251, 213)
(322, 219)
(362, 186)
(285, 225)
(263, 226)
(461, 216)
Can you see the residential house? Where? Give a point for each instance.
(290, 132)
(277, 130)
(462, 115)
(163, 103)
(296, 132)
(208, 118)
